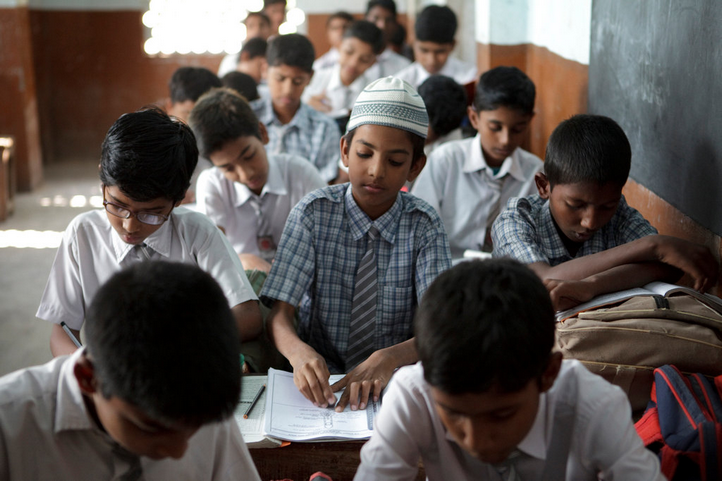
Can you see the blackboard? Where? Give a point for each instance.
(656, 68)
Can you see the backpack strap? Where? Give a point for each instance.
(707, 396)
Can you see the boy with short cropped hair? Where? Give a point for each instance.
(333, 90)
(150, 397)
(248, 193)
(490, 400)
(241, 83)
(382, 13)
(335, 27)
(252, 59)
(469, 181)
(145, 169)
(578, 233)
(258, 25)
(185, 86)
(359, 256)
(294, 127)
(276, 12)
(435, 40)
(446, 104)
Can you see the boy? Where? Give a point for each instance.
(491, 401)
(294, 127)
(359, 256)
(469, 181)
(145, 168)
(382, 13)
(335, 27)
(241, 83)
(435, 31)
(151, 396)
(276, 12)
(248, 194)
(185, 86)
(252, 60)
(333, 90)
(258, 25)
(446, 104)
(579, 235)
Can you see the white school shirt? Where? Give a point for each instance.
(328, 59)
(455, 134)
(229, 205)
(603, 438)
(341, 97)
(91, 252)
(387, 63)
(228, 64)
(46, 432)
(462, 72)
(457, 183)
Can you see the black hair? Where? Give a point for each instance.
(260, 14)
(254, 47)
(241, 83)
(341, 15)
(389, 5)
(294, 50)
(266, 3)
(445, 102)
(484, 325)
(505, 87)
(149, 155)
(588, 148)
(398, 36)
(189, 83)
(220, 116)
(417, 143)
(436, 24)
(368, 33)
(161, 337)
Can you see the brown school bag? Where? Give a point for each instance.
(625, 342)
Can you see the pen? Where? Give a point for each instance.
(253, 403)
(70, 334)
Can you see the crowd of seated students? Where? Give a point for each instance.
(301, 249)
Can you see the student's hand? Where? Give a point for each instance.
(568, 294)
(320, 102)
(368, 379)
(310, 375)
(693, 259)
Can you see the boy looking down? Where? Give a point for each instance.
(359, 256)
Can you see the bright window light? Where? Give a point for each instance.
(33, 239)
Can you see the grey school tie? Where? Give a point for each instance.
(264, 236)
(363, 310)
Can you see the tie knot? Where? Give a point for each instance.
(373, 232)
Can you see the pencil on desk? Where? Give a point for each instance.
(253, 403)
(70, 334)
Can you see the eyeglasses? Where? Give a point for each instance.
(144, 217)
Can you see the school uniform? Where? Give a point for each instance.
(341, 97)
(466, 192)
(583, 426)
(455, 134)
(250, 220)
(46, 432)
(462, 72)
(310, 134)
(525, 231)
(91, 252)
(328, 59)
(321, 248)
(228, 64)
(387, 63)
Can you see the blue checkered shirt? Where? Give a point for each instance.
(525, 231)
(320, 250)
(310, 134)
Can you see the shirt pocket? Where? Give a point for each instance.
(396, 314)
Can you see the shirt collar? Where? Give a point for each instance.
(476, 162)
(274, 184)
(301, 121)
(159, 241)
(360, 223)
(70, 410)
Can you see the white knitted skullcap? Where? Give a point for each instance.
(390, 102)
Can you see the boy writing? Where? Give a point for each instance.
(435, 31)
(150, 397)
(335, 27)
(359, 256)
(333, 90)
(145, 168)
(469, 181)
(294, 127)
(382, 13)
(491, 401)
(248, 193)
(579, 235)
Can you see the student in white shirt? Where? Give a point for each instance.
(435, 31)
(146, 164)
(150, 397)
(248, 193)
(333, 90)
(490, 400)
(258, 25)
(446, 104)
(469, 181)
(335, 27)
(382, 13)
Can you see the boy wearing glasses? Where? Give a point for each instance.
(145, 169)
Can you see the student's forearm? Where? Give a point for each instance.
(60, 343)
(402, 354)
(281, 329)
(630, 276)
(248, 320)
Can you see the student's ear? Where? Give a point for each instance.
(473, 117)
(551, 372)
(344, 151)
(84, 372)
(542, 185)
(264, 133)
(416, 167)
